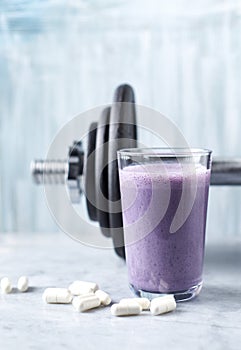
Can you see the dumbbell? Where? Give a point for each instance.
(115, 129)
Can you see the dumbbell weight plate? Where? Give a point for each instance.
(122, 134)
(101, 171)
(90, 172)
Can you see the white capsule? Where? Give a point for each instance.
(143, 302)
(57, 296)
(105, 299)
(23, 284)
(80, 297)
(162, 305)
(6, 285)
(125, 309)
(82, 287)
(85, 302)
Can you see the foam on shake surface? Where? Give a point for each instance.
(176, 173)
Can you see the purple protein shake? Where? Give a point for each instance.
(159, 261)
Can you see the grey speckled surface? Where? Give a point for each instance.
(212, 321)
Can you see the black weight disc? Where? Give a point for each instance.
(101, 172)
(122, 134)
(90, 173)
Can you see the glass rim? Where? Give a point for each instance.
(164, 152)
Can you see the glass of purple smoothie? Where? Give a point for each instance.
(164, 196)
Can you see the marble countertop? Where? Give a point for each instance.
(213, 320)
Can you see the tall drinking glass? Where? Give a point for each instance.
(164, 195)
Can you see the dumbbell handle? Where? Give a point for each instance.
(49, 172)
(224, 171)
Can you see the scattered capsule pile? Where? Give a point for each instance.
(85, 296)
(6, 285)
